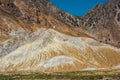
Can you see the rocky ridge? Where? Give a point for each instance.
(103, 22)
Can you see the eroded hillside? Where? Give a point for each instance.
(56, 52)
(37, 36)
(20, 19)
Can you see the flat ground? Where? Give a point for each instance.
(81, 75)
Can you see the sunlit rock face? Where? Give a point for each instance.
(55, 52)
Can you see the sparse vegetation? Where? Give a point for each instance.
(82, 75)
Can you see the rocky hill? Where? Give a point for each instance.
(35, 35)
(56, 52)
(21, 18)
(103, 21)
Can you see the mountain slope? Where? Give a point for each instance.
(37, 36)
(56, 52)
(103, 22)
(19, 29)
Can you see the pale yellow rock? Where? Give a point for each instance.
(56, 52)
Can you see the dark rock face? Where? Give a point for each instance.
(118, 17)
(40, 6)
(10, 7)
